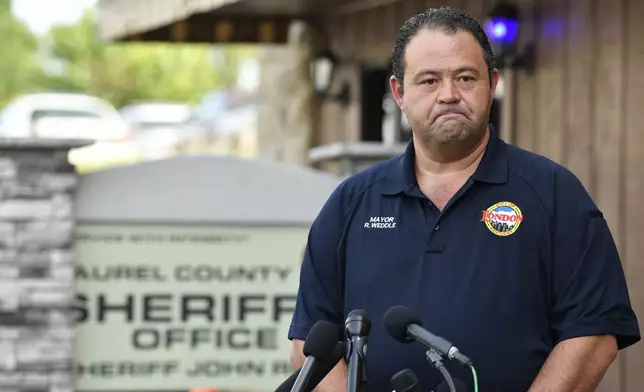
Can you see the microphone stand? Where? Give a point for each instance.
(357, 328)
(436, 360)
(357, 374)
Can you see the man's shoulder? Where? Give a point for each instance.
(548, 179)
(534, 167)
(367, 179)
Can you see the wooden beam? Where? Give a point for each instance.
(220, 31)
(179, 31)
(360, 6)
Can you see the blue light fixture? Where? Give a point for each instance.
(502, 27)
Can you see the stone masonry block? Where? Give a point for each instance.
(48, 298)
(23, 190)
(44, 234)
(9, 272)
(61, 382)
(18, 319)
(26, 257)
(8, 168)
(60, 257)
(34, 271)
(67, 387)
(62, 334)
(17, 210)
(58, 182)
(61, 205)
(25, 380)
(37, 161)
(9, 334)
(63, 274)
(8, 256)
(7, 356)
(9, 380)
(26, 317)
(7, 235)
(61, 387)
(29, 285)
(9, 296)
(48, 335)
(61, 318)
(43, 354)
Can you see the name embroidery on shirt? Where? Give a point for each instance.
(380, 222)
(503, 218)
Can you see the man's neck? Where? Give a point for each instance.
(438, 160)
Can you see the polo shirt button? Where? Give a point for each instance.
(437, 227)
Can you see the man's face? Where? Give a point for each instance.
(447, 95)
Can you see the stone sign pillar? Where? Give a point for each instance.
(37, 258)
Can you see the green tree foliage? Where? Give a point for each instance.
(123, 72)
(19, 68)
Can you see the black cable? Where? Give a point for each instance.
(437, 362)
(448, 378)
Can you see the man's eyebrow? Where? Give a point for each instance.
(467, 69)
(427, 72)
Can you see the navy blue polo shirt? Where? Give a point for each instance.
(519, 260)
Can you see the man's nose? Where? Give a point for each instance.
(448, 92)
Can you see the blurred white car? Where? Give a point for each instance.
(72, 116)
(159, 127)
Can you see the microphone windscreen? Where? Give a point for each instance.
(359, 314)
(406, 381)
(459, 385)
(358, 323)
(321, 340)
(287, 384)
(396, 321)
(320, 370)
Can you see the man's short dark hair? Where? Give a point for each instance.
(446, 19)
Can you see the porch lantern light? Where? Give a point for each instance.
(325, 65)
(502, 27)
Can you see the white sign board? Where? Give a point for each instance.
(187, 273)
(174, 306)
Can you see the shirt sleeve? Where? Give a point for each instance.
(590, 294)
(319, 294)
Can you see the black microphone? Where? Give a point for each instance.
(459, 386)
(357, 328)
(320, 370)
(406, 381)
(404, 326)
(318, 347)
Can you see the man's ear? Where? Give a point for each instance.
(396, 90)
(494, 81)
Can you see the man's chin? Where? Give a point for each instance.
(450, 131)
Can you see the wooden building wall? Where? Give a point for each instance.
(582, 108)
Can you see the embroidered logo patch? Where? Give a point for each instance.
(503, 218)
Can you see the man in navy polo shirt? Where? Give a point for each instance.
(498, 250)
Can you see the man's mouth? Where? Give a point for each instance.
(451, 114)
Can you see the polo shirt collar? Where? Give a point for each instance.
(493, 168)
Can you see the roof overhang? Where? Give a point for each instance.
(206, 21)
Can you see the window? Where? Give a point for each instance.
(41, 114)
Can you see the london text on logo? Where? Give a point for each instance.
(502, 218)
